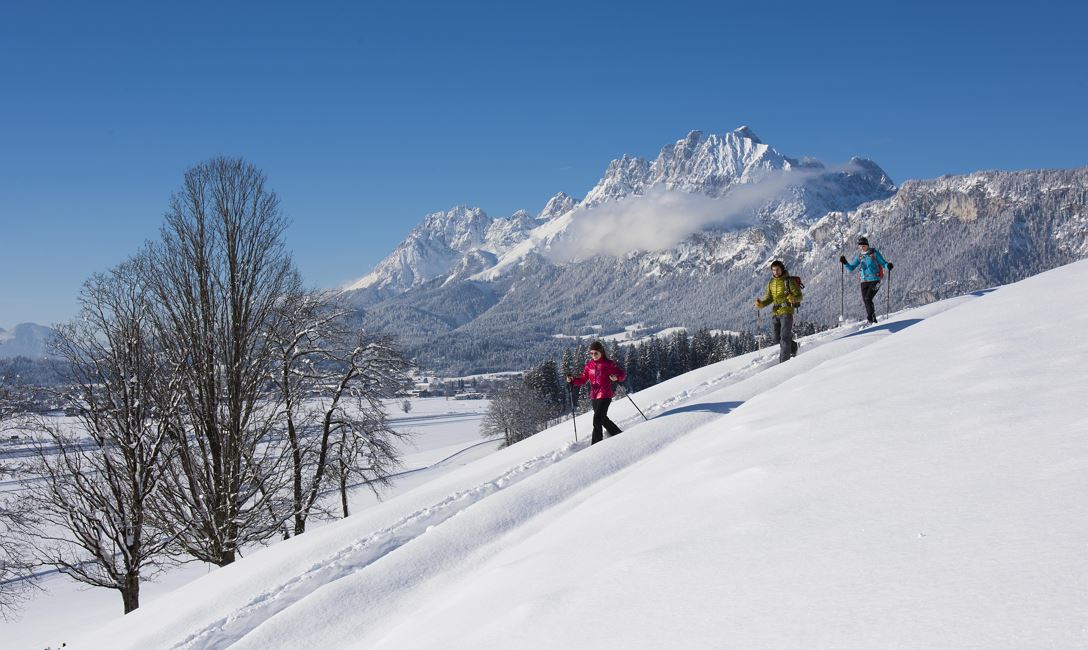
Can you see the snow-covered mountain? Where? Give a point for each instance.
(685, 239)
(957, 233)
(704, 164)
(712, 165)
(919, 483)
(456, 243)
(714, 201)
(465, 242)
(25, 340)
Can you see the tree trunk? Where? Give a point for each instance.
(344, 492)
(296, 478)
(130, 592)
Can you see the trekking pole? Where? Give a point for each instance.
(573, 415)
(758, 347)
(628, 391)
(889, 297)
(842, 292)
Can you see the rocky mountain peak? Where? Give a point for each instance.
(559, 204)
(746, 133)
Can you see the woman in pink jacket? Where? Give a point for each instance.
(600, 372)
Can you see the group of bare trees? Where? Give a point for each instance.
(217, 398)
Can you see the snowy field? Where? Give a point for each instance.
(917, 484)
(446, 436)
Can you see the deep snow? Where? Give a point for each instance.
(920, 483)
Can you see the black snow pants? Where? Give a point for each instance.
(600, 419)
(868, 293)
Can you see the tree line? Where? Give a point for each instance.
(217, 400)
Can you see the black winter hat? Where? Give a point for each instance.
(863, 241)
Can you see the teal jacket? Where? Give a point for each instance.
(871, 264)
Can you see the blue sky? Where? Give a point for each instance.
(366, 116)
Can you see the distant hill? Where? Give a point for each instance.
(26, 340)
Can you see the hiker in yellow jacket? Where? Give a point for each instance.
(784, 293)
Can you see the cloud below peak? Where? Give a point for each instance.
(662, 218)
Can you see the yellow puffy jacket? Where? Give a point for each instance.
(783, 297)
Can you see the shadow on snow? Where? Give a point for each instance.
(703, 407)
(893, 327)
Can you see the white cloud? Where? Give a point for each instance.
(662, 218)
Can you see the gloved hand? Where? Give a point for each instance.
(890, 266)
(842, 259)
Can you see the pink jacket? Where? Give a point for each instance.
(596, 373)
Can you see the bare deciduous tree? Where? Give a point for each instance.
(332, 382)
(502, 417)
(363, 442)
(89, 507)
(517, 411)
(221, 271)
(301, 374)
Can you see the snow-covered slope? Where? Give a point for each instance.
(921, 483)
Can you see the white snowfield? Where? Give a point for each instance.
(919, 484)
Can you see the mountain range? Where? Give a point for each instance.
(685, 240)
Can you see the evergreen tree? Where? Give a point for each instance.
(702, 348)
(683, 352)
(614, 351)
(544, 381)
(633, 369)
(568, 364)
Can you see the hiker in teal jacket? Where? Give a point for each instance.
(872, 265)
